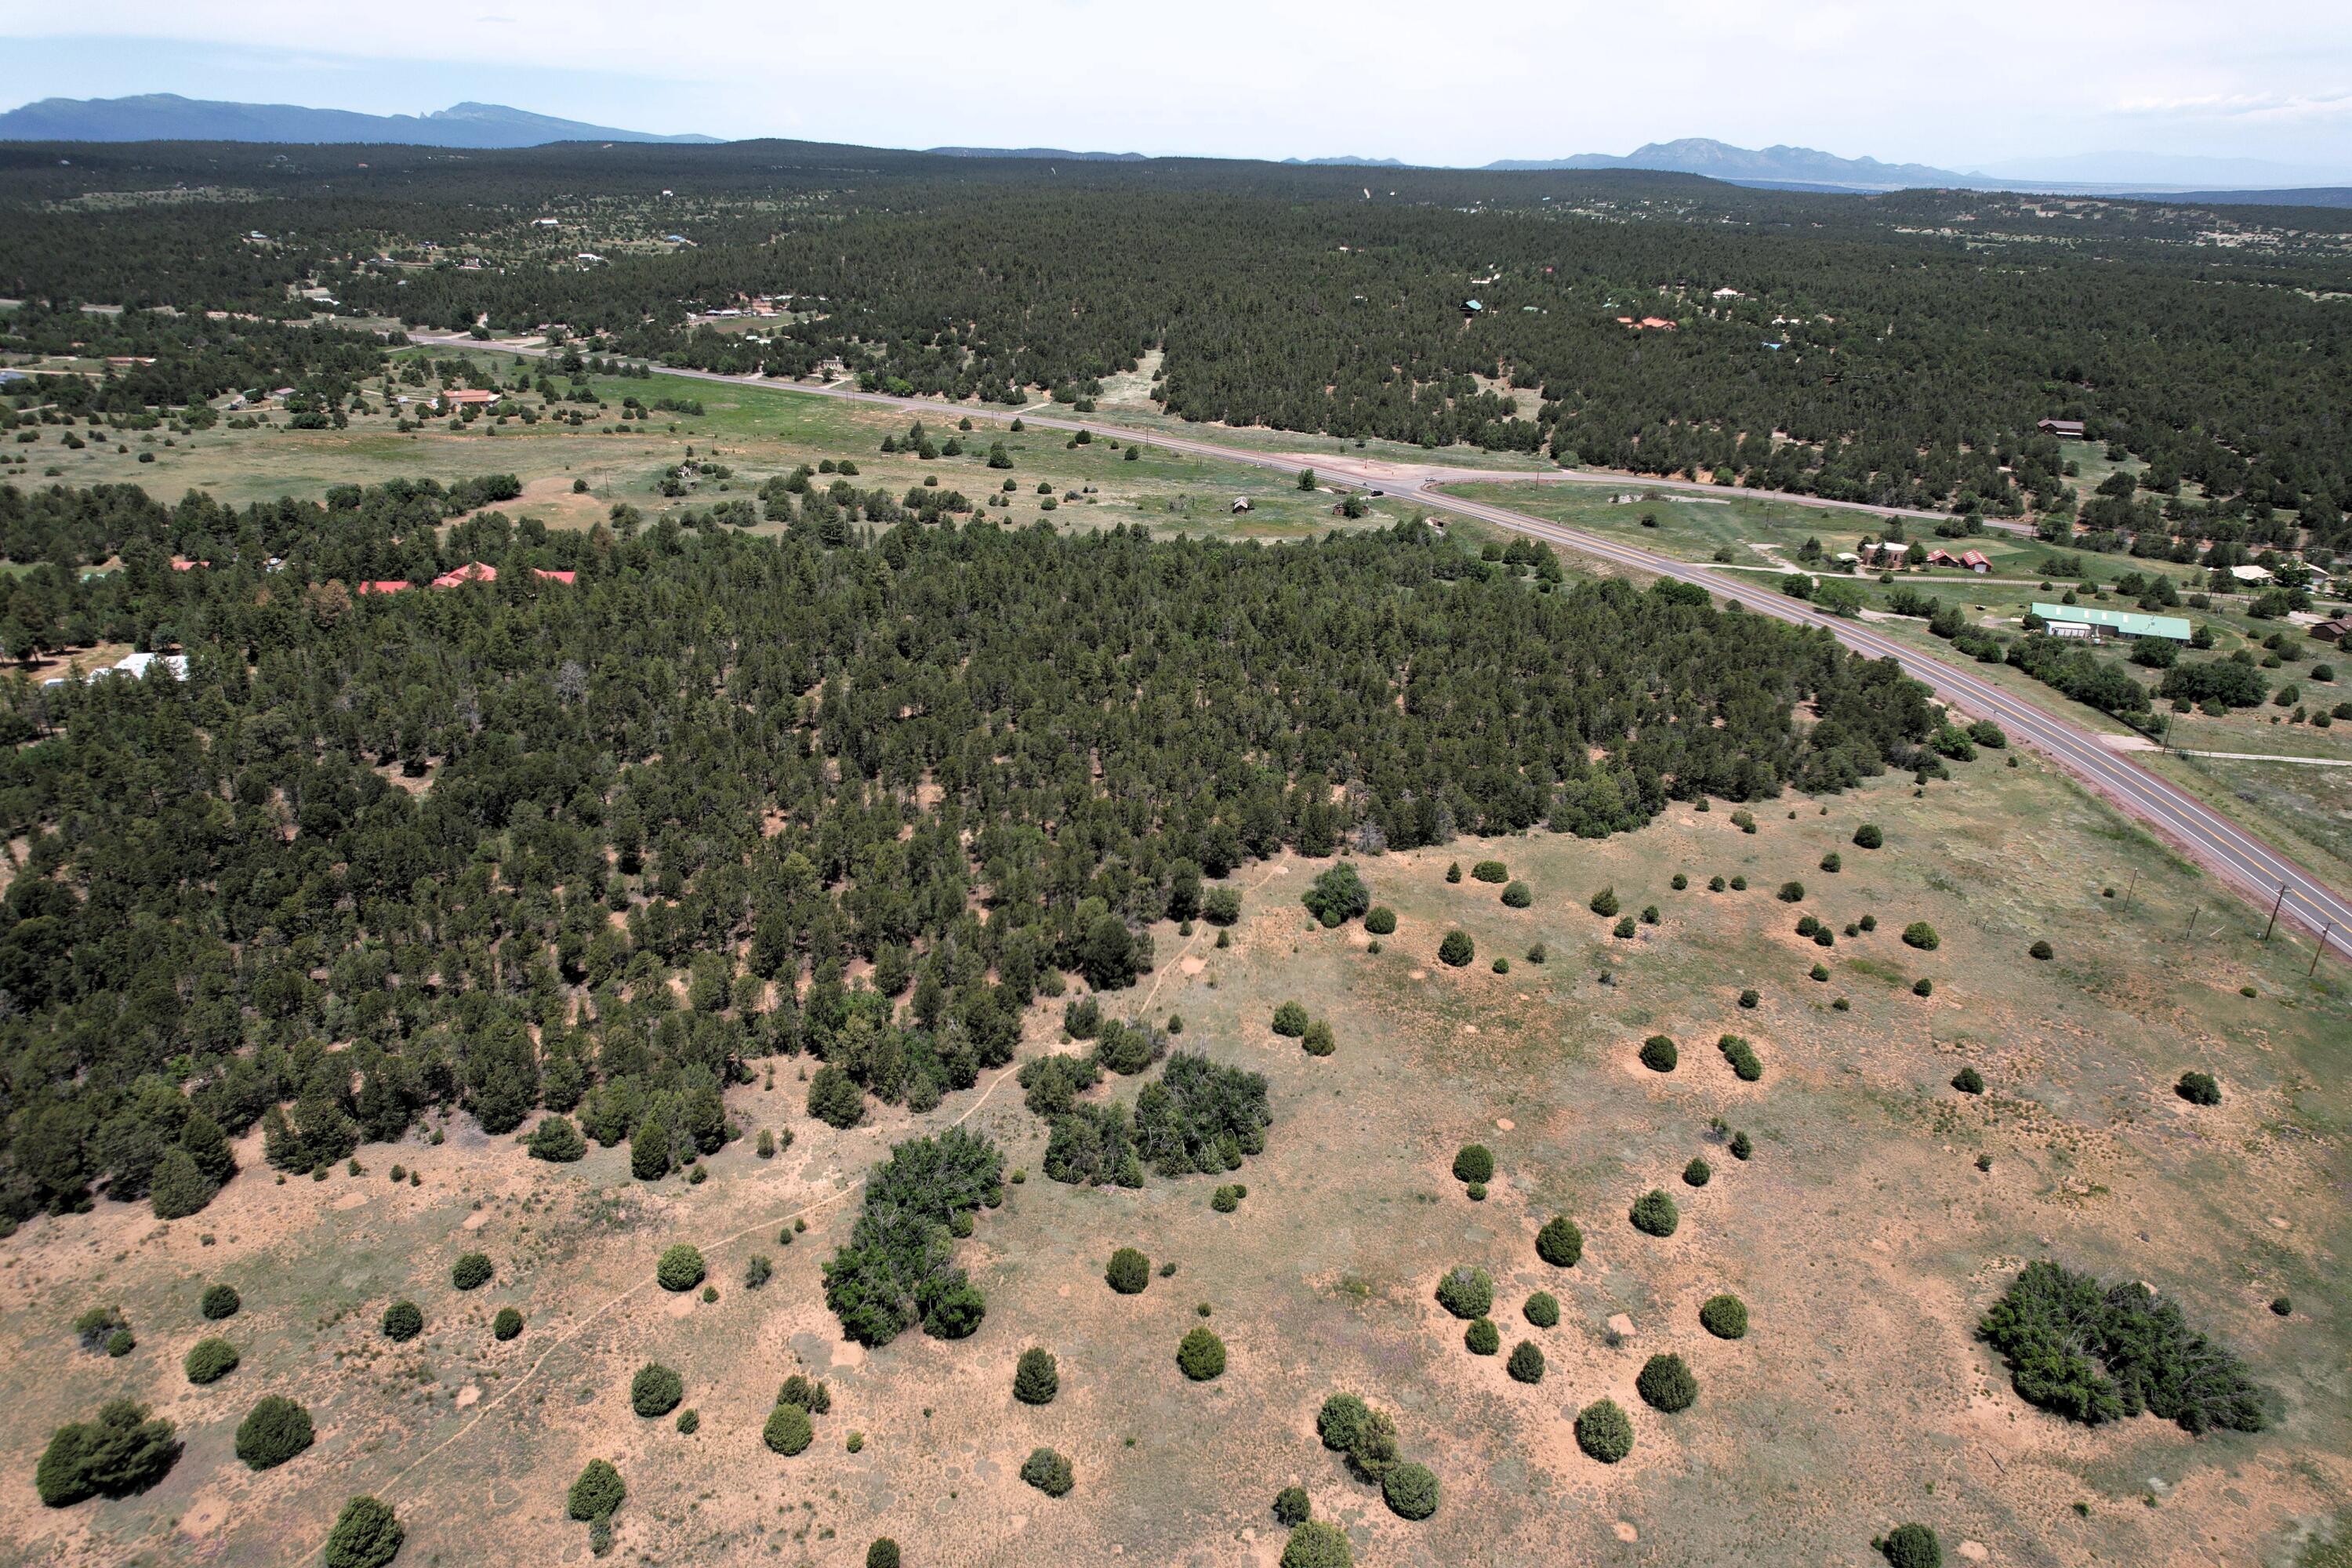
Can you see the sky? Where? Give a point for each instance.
(1988, 85)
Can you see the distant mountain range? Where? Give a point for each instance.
(1041, 152)
(167, 117)
(1809, 168)
(1775, 165)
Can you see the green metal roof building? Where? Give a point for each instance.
(2117, 623)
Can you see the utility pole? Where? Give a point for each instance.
(2132, 890)
(2192, 918)
(2274, 910)
(2320, 949)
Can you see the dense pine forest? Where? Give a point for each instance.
(1895, 349)
(596, 845)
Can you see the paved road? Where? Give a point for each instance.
(2262, 873)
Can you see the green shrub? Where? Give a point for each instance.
(1380, 921)
(1338, 895)
(1476, 1191)
(1473, 1163)
(2040, 950)
(1410, 1491)
(679, 1268)
(1315, 1544)
(1740, 1147)
(1290, 1505)
(403, 1322)
(811, 1394)
(1457, 949)
(2093, 1353)
(96, 1328)
(2199, 1089)
(1318, 1040)
(1036, 1379)
(1526, 1363)
(1048, 1471)
(690, 1421)
(1542, 1309)
(1923, 987)
(834, 1098)
(1740, 884)
(367, 1535)
(1517, 896)
(1665, 1384)
(1867, 922)
(1481, 1337)
(209, 1360)
(506, 1324)
(1454, 871)
(1868, 836)
(1466, 1292)
(789, 1430)
(883, 1551)
(1922, 935)
(1201, 1355)
(1559, 1242)
(557, 1141)
(1341, 1420)
(1129, 1271)
(1792, 892)
(1604, 1431)
(1290, 1020)
(273, 1432)
(1724, 1316)
(1654, 1213)
(1604, 902)
(1742, 1058)
(1490, 871)
(1222, 906)
(656, 1389)
(1680, 882)
(471, 1271)
(1820, 971)
(119, 1453)
(1659, 1055)
(1832, 864)
(1748, 999)
(1698, 1173)
(1624, 927)
(1912, 1546)
(220, 1301)
(1968, 1081)
(597, 1494)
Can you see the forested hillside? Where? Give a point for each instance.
(1896, 348)
(380, 853)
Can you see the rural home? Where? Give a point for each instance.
(472, 572)
(2334, 630)
(2250, 574)
(2064, 429)
(2086, 622)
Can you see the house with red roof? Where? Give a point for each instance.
(472, 572)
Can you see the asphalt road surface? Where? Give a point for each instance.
(2263, 875)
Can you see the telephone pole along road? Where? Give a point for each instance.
(2258, 871)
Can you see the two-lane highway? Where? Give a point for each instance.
(2262, 873)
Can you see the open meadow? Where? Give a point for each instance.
(1877, 1214)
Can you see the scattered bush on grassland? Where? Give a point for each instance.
(1604, 1431)
(1560, 1242)
(1466, 1291)
(273, 1431)
(2094, 1354)
(1725, 1315)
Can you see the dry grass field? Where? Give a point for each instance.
(1879, 1214)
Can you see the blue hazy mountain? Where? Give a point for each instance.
(167, 117)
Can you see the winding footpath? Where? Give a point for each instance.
(2263, 875)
